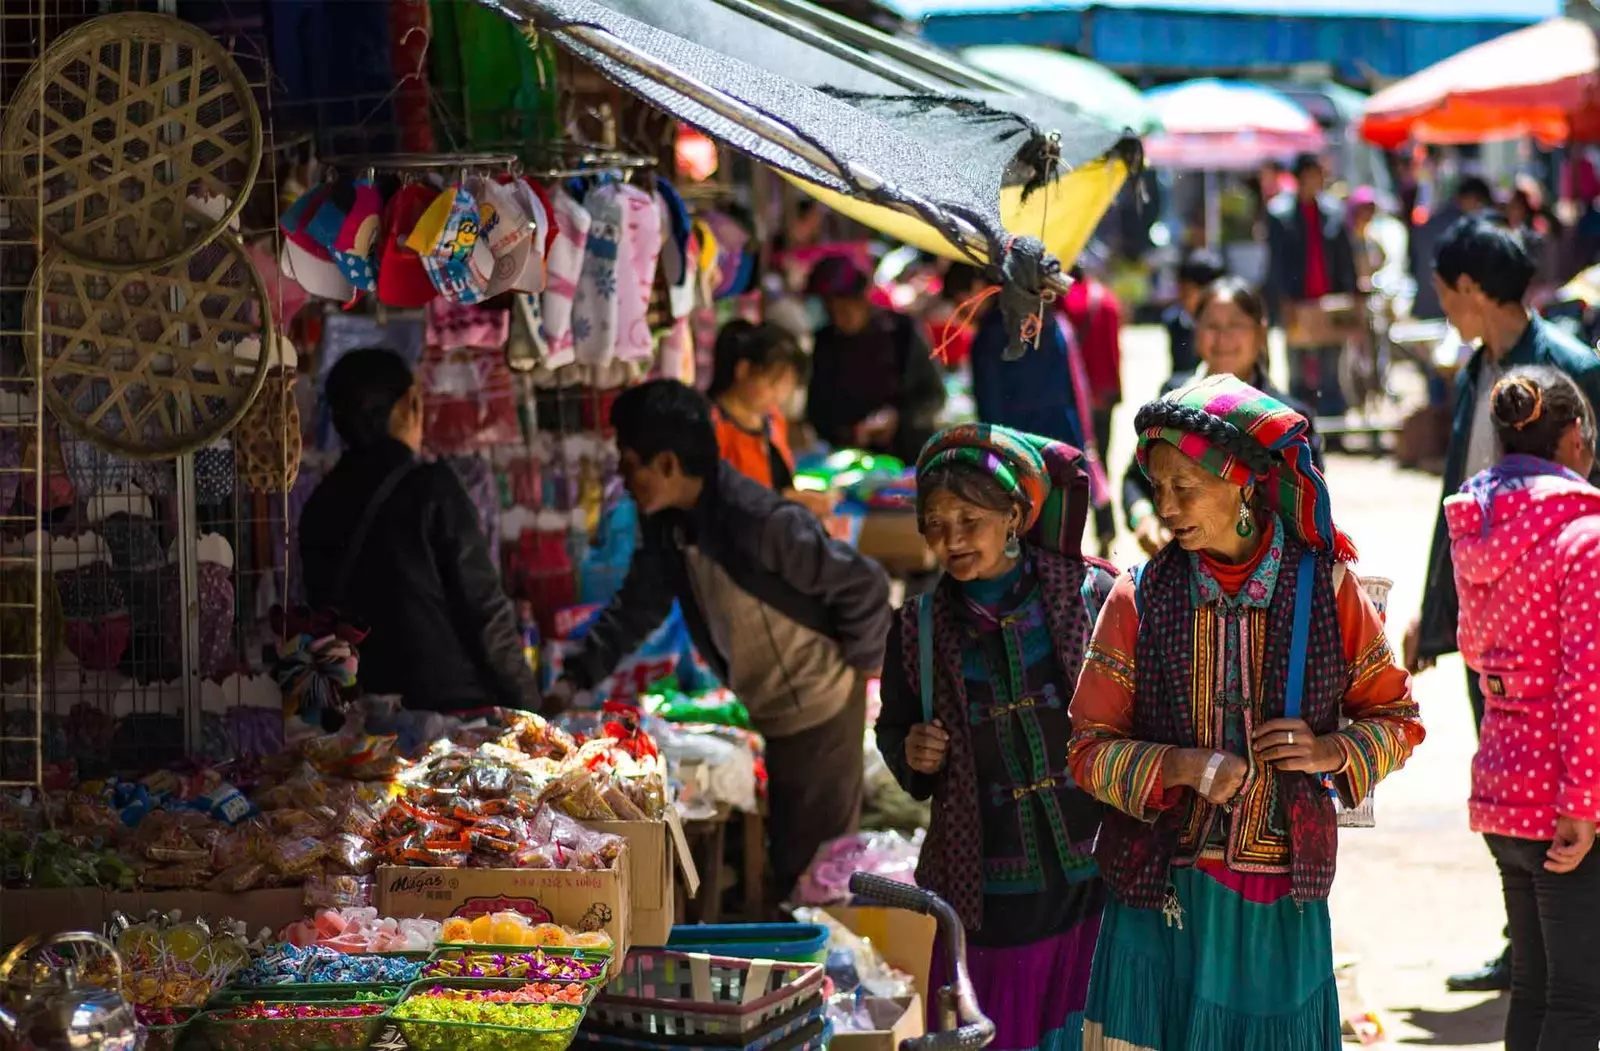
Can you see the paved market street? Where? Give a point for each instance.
(1417, 897)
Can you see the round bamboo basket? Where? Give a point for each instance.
(154, 364)
(117, 125)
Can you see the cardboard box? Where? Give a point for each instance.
(581, 900)
(912, 1023)
(905, 939)
(657, 853)
(892, 538)
(25, 912)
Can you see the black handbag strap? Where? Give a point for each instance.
(358, 537)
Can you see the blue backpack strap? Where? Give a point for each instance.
(1138, 575)
(1305, 581)
(925, 652)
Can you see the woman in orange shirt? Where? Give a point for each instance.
(755, 371)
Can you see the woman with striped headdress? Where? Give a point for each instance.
(1208, 718)
(977, 677)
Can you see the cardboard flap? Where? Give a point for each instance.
(680, 848)
(700, 976)
(755, 981)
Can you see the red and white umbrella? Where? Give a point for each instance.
(1542, 81)
(1219, 125)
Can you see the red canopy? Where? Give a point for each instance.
(1542, 81)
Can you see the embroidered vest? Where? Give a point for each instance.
(1284, 820)
(951, 863)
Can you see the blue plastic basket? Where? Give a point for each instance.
(789, 942)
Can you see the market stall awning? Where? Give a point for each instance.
(958, 111)
(901, 152)
(1060, 75)
(1542, 81)
(1227, 126)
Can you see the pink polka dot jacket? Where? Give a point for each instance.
(1530, 626)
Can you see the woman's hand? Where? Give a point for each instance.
(1187, 767)
(1572, 843)
(926, 746)
(1413, 660)
(1290, 744)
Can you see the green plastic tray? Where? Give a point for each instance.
(598, 957)
(309, 993)
(474, 1036)
(590, 989)
(288, 1034)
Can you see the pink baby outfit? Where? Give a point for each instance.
(1529, 585)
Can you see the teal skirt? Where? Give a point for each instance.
(1249, 971)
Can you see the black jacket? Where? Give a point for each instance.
(1136, 487)
(774, 550)
(1287, 238)
(443, 634)
(886, 365)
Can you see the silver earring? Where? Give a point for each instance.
(1247, 524)
(1013, 548)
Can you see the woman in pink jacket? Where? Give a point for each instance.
(1525, 536)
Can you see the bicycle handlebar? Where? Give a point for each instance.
(975, 1030)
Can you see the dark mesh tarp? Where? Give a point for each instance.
(888, 82)
(887, 164)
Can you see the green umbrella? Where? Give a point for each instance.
(1058, 75)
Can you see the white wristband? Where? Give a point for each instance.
(1209, 777)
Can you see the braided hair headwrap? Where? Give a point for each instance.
(1247, 437)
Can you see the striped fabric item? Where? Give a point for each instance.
(1295, 488)
(1046, 477)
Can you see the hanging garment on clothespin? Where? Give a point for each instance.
(562, 271)
(639, 253)
(594, 310)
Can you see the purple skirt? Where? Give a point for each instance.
(1033, 993)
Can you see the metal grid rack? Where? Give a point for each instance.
(123, 643)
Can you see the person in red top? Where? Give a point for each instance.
(1310, 256)
(1525, 542)
(1096, 319)
(755, 370)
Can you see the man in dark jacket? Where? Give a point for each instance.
(791, 621)
(444, 637)
(1309, 256)
(1481, 274)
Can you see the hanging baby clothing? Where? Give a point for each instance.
(451, 326)
(594, 310)
(563, 267)
(97, 625)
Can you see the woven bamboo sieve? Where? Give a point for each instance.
(139, 113)
(153, 364)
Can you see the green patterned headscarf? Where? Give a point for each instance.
(1044, 476)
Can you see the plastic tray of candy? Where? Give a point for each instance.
(351, 1032)
(574, 994)
(400, 968)
(165, 1037)
(550, 1027)
(597, 960)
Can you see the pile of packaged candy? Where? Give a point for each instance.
(506, 791)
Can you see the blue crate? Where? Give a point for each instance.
(789, 942)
